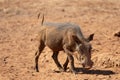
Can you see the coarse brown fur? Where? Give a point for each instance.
(67, 37)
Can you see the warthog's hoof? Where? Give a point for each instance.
(36, 69)
(65, 68)
(61, 69)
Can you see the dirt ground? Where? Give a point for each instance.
(19, 27)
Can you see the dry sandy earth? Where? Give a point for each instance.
(19, 24)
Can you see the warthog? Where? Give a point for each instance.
(65, 37)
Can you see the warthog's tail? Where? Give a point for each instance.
(42, 18)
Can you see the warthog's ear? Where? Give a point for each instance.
(90, 38)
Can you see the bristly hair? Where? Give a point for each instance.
(42, 18)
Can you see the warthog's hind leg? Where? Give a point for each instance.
(37, 54)
(55, 58)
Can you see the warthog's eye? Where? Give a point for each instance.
(82, 58)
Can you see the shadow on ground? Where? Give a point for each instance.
(97, 72)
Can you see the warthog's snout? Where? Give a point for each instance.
(88, 65)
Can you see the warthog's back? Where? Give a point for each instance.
(63, 26)
(59, 24)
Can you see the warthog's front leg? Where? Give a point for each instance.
(55, 58)
(70, 58)
(65, 64)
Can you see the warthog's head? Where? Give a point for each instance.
(84, 52)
